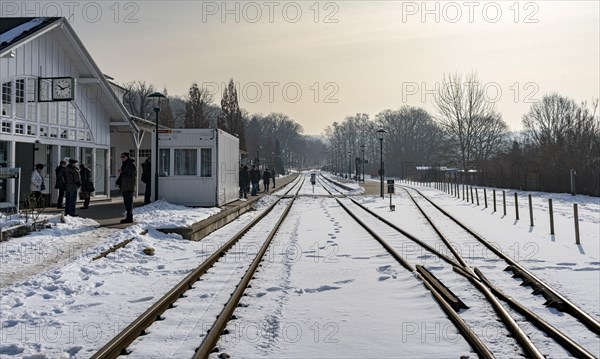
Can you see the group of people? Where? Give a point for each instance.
(253, 177)
(69, 180)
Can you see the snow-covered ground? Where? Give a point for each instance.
(328, 289)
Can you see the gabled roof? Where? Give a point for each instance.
(16, 31)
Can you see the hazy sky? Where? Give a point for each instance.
(344, 57)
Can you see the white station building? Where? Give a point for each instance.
(57, 104)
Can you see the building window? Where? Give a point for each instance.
(206, 162)
(31, 130)
(54, 132)
(186, 162)
(6, 126)
(52, 111)
(43, 131)
(72, 135)
(20, 98)
(31, 100)
(19, 128)
(164, 169)
(7, 99)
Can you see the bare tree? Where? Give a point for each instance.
(136, 99)
(465, 114)
(197, 105)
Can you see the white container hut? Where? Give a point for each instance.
(197, 167)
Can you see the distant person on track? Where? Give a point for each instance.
(127, 184)
(147, 179)
(73, 180)
(266, 179)
(87, 185)
(61, 183)
(244, 181)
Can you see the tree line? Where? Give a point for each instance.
(468, 138)
(272, 140)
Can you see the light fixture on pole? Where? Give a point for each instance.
(380, 132)
(156, 98)
(362, 147)
(258, 157)
(349, 165)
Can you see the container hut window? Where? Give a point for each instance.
(165, 162)
(186, 162)
(206, 162)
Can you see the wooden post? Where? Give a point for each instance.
(485, 197)
(530, 211)
(516, 206)
(494, 194)
(463, 190)
(551, 216)
(576, 217)
(471, 188)
(477, 196)
(504, 201)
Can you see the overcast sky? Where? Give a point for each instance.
(344, 57)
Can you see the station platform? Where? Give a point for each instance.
(108, 213)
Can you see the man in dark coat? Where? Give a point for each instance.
(273, 176)
(87, 185)
(127, 183)
(61, 183)
(73, 182)
(147, 179)
(266, 179)
(254, 178)
(244, 181)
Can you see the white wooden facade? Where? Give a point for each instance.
(197, 167)
(46, 132)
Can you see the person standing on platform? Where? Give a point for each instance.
(266, 179)
(244, 181)
(127, 184)
(87, 185)
(73, 181)
(254, 178)
(273, 176)
(61, 183)
(37, 185)
(147, 179)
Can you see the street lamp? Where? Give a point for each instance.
(258, 157)
(349, 165)
(362, 147)
(156, 98)
(380, 133)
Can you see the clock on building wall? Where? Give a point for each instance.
(56, 89)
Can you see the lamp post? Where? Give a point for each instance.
(258, 157)
(156, 98)
(381, 171)
(349, 165)
(362, 147)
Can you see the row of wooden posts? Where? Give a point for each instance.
(454, 189)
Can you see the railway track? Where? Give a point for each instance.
(195, 283)
(450, 277)
(468, 267)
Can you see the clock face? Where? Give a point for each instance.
(62, 88)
